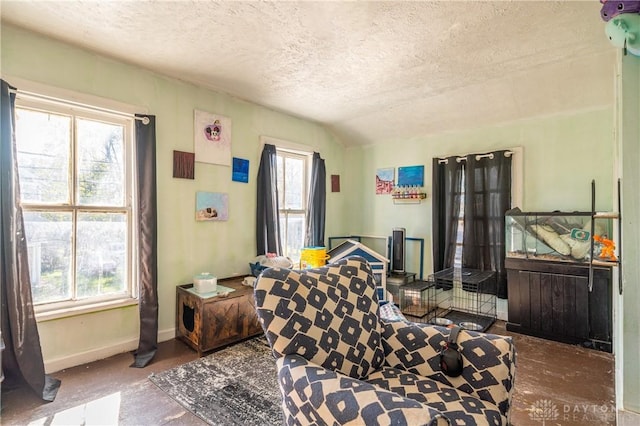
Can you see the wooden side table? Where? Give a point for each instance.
(206, 323)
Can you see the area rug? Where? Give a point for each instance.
(234, 386)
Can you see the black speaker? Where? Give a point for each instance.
(397, 250)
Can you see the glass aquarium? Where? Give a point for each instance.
(558, 236)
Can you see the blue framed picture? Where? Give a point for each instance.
(240, 170)
(411, 176)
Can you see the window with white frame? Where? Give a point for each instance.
(293, 189)
(76, 193)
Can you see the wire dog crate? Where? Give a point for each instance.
(415, 300)
(466, 297)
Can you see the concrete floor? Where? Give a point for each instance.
(574, 384)
(105, 392)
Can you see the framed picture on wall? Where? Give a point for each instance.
(411, 176)
(212, 138)
(212, 206)
(335, 183)
(183, 166)
(240, 171)
(385, 180)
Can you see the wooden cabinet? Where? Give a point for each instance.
(209, 323)
(552, 300)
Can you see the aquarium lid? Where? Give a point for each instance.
(517, 212)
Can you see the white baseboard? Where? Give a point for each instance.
(628, 418)
(168, 334)
(502, 309)
(73, 360)
(68, 361)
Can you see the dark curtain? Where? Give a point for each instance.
(447, 181)
(487, 198)
(267, 217)
(147, 240)
(22, 357)
(317, 203)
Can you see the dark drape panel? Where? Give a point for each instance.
(267, 220)
(438, 221)
(447, 181)
(317, 203)
(487, 198)
(147, 240)
(22, 357)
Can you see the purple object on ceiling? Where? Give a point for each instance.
(611, 8)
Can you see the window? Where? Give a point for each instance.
(75, 169)
(516, 197)
(457, 260)
(293, 187)
(486, 195)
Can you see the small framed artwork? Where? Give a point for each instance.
(212, 206)
(384, 180)
(240, 170)
(212, 138)
(335, 183)
(411, 176)
(183, 165)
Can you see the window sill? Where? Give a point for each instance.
(72, 311)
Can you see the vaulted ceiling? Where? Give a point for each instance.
(369, 71)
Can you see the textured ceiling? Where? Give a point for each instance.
(370, 71)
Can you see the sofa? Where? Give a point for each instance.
(340, 362)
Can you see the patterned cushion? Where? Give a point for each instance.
(459, 407)
(312, 395)
(488, 359)
(327, 315)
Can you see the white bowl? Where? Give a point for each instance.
(471, 326)
(441, 321)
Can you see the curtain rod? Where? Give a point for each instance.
(478, 157)
(65, 102)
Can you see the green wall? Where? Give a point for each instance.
(561, 155)
(186, 247)
(630, 159)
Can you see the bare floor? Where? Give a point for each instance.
(556, 384)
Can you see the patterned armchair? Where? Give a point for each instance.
(338, 362)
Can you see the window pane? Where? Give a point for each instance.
(43, 144)
(280, 183)
(283, 233)
(294, 224)
(49, 248)
(294, 169)
(101, 247)
(100, 163)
